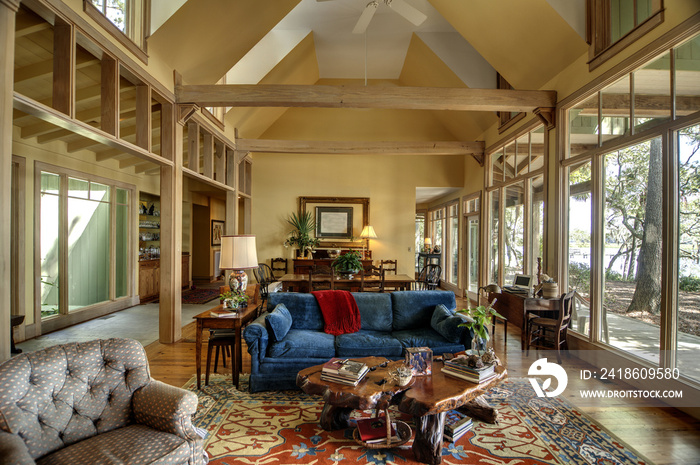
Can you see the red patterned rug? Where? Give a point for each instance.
(282, 428)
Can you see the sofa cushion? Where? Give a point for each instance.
(306, 314)
(278, 322)
(367, 343)
(414, 309)
(131, 444)
(302, 343)
(375, 310)
(427, 337)
(446, 323)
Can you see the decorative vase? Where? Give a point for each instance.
(479, 345)
(550, 290)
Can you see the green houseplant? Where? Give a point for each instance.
(233, 299)
(348, 263)
(304, 225)
(477, 320)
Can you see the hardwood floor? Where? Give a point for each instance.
(664, 435)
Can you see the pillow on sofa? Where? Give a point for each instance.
(446, 323)
(278, 322)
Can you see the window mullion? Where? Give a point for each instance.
(63, 246)
(597, 246)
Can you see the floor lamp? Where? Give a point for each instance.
(238, 253)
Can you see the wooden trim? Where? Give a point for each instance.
(191, 174)
(529, 126)
(63, 67)
(52, 116)
(11, 4)
(412, 98)
(213, 119)
(361, 147)
(193, 146)
(109, 106)
(19, 239)
(97, 16)
(208, 155)
(143, 117)
(511, 122)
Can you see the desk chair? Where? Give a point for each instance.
(550, 333)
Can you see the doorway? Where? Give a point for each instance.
(202, 267)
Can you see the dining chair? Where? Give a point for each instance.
(221, 339)
(372, 285)
(321, 278)
(429, 278)
(279, 267)
(389, 266)
(550, 333)
(264, 276)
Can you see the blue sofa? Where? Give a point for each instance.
(390, 322)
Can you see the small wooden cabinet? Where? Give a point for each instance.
(149, 277)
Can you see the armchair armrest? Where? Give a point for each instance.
(256, 337)
(166, 408)
(13, 450)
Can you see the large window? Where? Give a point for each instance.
(471, 208)
(517, 202)
(615, 24)
(122, 18)
(84, 241)
(634, 201)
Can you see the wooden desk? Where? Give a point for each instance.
(515, 308)
(299, 282)
(205, 320)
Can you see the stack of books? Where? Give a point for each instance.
(343, 371)
(456, 424)
(458, 368)
(373, 430)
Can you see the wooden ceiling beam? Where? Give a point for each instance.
(408, 98)
(360, 147)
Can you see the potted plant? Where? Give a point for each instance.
(477, 320)
(348, 264)
(304, 225)
(233, 300)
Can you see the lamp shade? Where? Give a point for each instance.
(238, 253)
(428, 241)
(368, 232)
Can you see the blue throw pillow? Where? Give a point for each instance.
(278, 322)
(446, 323)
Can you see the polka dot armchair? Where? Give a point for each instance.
(90, 403)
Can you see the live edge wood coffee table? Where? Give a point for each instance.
(427, 399)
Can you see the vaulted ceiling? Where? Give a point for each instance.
(461, 44)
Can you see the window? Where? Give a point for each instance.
(615, 24)
(126, 20)
(84, 241)
(633, 200)
(516, 201)
(452, 246)
(470, 207)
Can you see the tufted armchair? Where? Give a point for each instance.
(93, 403)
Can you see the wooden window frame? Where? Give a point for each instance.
(598, 34)
(124, 38)
(505, 119)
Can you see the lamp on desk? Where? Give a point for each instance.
(427, 245)
(495, 288)
(238, 253)
(367, 233)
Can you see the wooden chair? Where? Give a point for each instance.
(372, 285)
(321, 278)
(219, 339)
(264, 277)
(389, 266)
(279, 267)
(429, 278)
(550, 333)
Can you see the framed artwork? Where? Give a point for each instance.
(334, 222)
(217, 230)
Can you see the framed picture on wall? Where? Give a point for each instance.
(334, 222)
(217, 230)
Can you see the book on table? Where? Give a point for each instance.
(223, 314)
(471, 377)
(344, 371)
(373, 430)
(456, 424)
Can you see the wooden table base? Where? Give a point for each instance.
(427, 445)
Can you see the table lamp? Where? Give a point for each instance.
(427, 243)
(238, 253)
(367, 233)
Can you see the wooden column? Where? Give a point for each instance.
(170, 306)
(63, 67)
(110, 96)
(208, 155)
(193, 145)
(220, 161)
(143, 116)
(8, 10)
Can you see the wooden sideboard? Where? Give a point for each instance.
(302, 266)
(149, 277)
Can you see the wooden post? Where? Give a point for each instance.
(170, 306)
(110, 96)
(208, 155)
(8, 10)
(143, 116)
(63, 67)
(193, 145)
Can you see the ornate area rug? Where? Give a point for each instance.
(282, 428)
(199, 296)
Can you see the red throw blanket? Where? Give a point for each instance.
(340, 312)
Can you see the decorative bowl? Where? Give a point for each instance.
(333, 253)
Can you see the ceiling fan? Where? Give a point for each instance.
(409, 12)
